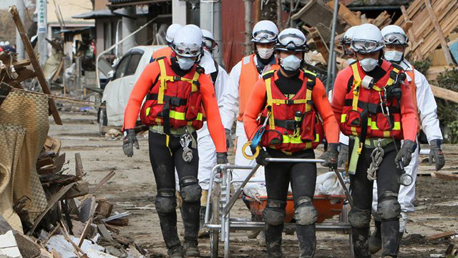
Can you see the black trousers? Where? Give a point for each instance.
(303, 179)
(361, 192)
(164, 160)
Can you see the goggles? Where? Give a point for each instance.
(186, 51)
(209, 43)
(396, 39)
(366, 46)
(264, 36)
(291, 42)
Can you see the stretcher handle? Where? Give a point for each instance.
(295, 160)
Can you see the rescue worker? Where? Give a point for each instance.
(175, 90)
(244, 76)
(396, 42)
(291, 100)
(373, 105)
(206, 147)
(169, 36)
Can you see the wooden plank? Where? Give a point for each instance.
(441, 235)
(445, 94)
(79, 171)
(104, 180)
(85, 231)
(439, 32)
(349, 17)
(407, 20)
(35, 64)
(322, 47)
(445, 175)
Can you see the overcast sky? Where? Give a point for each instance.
(4, 4)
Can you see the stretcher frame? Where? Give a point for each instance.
(219, 204)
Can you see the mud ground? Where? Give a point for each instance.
(133, 189)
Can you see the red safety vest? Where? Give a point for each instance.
(285, 130)
(249, 75)
(174, 98)
(362, 103)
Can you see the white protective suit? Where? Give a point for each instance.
(228, 114)
(205, 145)
(427, 111)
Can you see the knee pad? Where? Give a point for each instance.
(388, 206)
(274, 214)
(359, 218)
(166, 201)
(305, 213)
(190, 189)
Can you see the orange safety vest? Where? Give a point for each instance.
(249, 75)
(362, 103)
(175, 99)
(163, 52)
(293, 123)
(413, 89)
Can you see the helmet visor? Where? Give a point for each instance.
(395, 39)
(366, 46)
(264, 36)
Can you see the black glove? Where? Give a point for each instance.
(405, 153)
(261, 158)
(436, 153)
(343, 155)
(330, 156)
(129, 141)
(228, 138)
(221, 158)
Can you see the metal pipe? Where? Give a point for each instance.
(331, 61)
(248, 21)
(297, 160)
(113, 46)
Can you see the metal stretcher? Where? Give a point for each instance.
(220, 203)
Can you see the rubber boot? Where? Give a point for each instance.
(390, 238)
(203, 231)
(190, 249)
(168, 223)
(375, 241)
(360, 242)
(307, 240)
(190, 214)
(176, 252)
(273, 241)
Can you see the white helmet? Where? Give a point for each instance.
(171, 31)
(264, 32)
(188, 41)
(291, 39)
(348, 36)
(367, 39)
(2, 43)
(394, 35)
(208, 39)
(7, 43)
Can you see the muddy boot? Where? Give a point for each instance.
(203, 231)
(261, 238)
(273, 241)
(190, 249)
(390, 238)
(306, 235)
(176, 252)
(375, 241)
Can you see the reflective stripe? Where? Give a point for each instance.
(177, 115)
(270, 102)
(372, 124)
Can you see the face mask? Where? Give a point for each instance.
(393, 56)
(185, 63)
(265, 53)
(368, 64)
(351, 60)
(291, 63)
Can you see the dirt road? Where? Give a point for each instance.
(132, 189)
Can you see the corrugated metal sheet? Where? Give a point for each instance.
(233, 20)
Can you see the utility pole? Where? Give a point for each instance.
(19, 44)
(248, 23)
(42, 20)
(211, 20)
